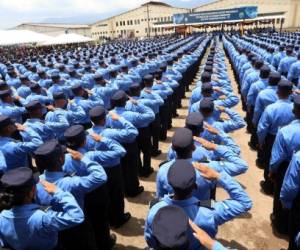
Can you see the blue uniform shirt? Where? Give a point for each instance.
(16, 152)
(275, 116)
(121, 131)
(206, 218)
(28, 227)
(291, 183)
(286, 143)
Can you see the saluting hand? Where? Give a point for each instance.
(77, 156)
(211, 129)
(96, 137)
(220, 108)
(50, 188)
(206, 172)
(205, 143)
(50, 108)
(20, 127)
(114, 116)
(202, 236)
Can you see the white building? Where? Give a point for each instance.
(138, 22)
(53, 29)
(288, 10)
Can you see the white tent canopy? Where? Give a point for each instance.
(11, 37)
(67, 38)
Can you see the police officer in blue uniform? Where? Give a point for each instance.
(82, 187)
(108, 153)
(294, 71)
(275, 116)
(36, 229)
(117, 128)
(141, 117)
(290, 198)
(17, 152)
(287, 141)
(182, 178)
(157, 102)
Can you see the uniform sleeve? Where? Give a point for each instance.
(226, 140)
(61, 124)
(236, 121)
(111, 150)
(290, 187)
(258, 110)
(251, 96)
(70, 215)
(128, 131)
(230, 101)
(76, 112)
(263, 127)
(232, 164)
(238, 203)
(218, 246)
(145, 115)
(278, 152)
(95, 177)
(28, 146)
(3, 165)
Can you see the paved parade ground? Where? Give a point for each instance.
(251, 231)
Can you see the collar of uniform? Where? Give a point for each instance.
(20, 211)
(33, 120)
(271, 87)
(295, 121)
(53, 176)
(284, 101)
(98, 129)
(120, 109)
(181, 203)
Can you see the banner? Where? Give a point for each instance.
(242, 13)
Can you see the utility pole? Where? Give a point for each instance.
(148, 20)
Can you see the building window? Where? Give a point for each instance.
(131, 22)
(117, 24)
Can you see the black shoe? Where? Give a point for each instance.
(259, 164)
(156, 153)
(137, 192)
(113, 240)
(124, 220)
(163, 138)
(146, 172)
(266, 188)
(252, 146)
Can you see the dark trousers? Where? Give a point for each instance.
(96, 210)
(294, 223)
(175, 100)
(78, 237)
(116, 194)
(264, 155)
(249, 116)
(155, 132)
(164, 119)
(145, 146)
(130, 167)
(280, 214)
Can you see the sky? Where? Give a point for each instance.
(14, 12)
